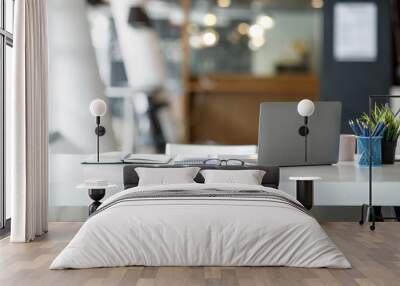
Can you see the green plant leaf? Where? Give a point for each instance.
(383, 113)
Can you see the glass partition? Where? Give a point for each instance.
(262, 38)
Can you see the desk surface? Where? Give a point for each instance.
(344, 172)
(343, 184)
(341, 172)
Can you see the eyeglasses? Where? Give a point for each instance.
(229, 162)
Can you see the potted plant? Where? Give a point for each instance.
(392, 122)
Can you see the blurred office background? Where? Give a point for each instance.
(207, 62)
(195, 71)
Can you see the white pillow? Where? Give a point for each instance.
(248, 177)
(166, 176)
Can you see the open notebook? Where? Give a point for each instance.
(147, 158)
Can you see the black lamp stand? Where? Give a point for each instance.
(304, 131)
(100, 131)
(367, 210)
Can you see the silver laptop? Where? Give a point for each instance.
(279, 141)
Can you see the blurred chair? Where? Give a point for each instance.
(205, 150)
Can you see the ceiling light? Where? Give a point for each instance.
(210, 19)
(256, 43)
(224, 3)
(317, 4)
(210, 38)
(256, 31)
(265, 21)
(243, 28)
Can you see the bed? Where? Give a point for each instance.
(198, 224)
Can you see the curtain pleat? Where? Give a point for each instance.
(29, 155)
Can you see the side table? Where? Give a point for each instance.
(305, 190)
(96, 193)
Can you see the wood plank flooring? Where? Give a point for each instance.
(375, 257)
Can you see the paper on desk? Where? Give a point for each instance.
(107, 157)
(148, 158)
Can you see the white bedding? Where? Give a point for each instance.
(200, 231)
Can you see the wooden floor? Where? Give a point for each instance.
(375, 257)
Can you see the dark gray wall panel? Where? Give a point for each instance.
(353, 82)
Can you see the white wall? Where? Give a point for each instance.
(74, 80)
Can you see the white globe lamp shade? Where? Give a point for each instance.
(98, 107)
(305, 107)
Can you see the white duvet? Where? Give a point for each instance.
(200, 231)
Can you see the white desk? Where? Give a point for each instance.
(345, 184)
(342, 185)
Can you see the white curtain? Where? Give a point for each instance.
(27, 132)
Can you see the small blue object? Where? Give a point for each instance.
(382, 131)
(363, 150)
(360, 128)
(354, 128)
(378, 129)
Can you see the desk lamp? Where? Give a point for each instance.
(305, 108)
(98, 108)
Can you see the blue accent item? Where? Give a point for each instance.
(360, 127)
(378, 129)
(381, 131)
(354, 128)
(363, 150)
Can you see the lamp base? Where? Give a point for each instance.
(96, 195)
(100, 130)
(304, 131)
